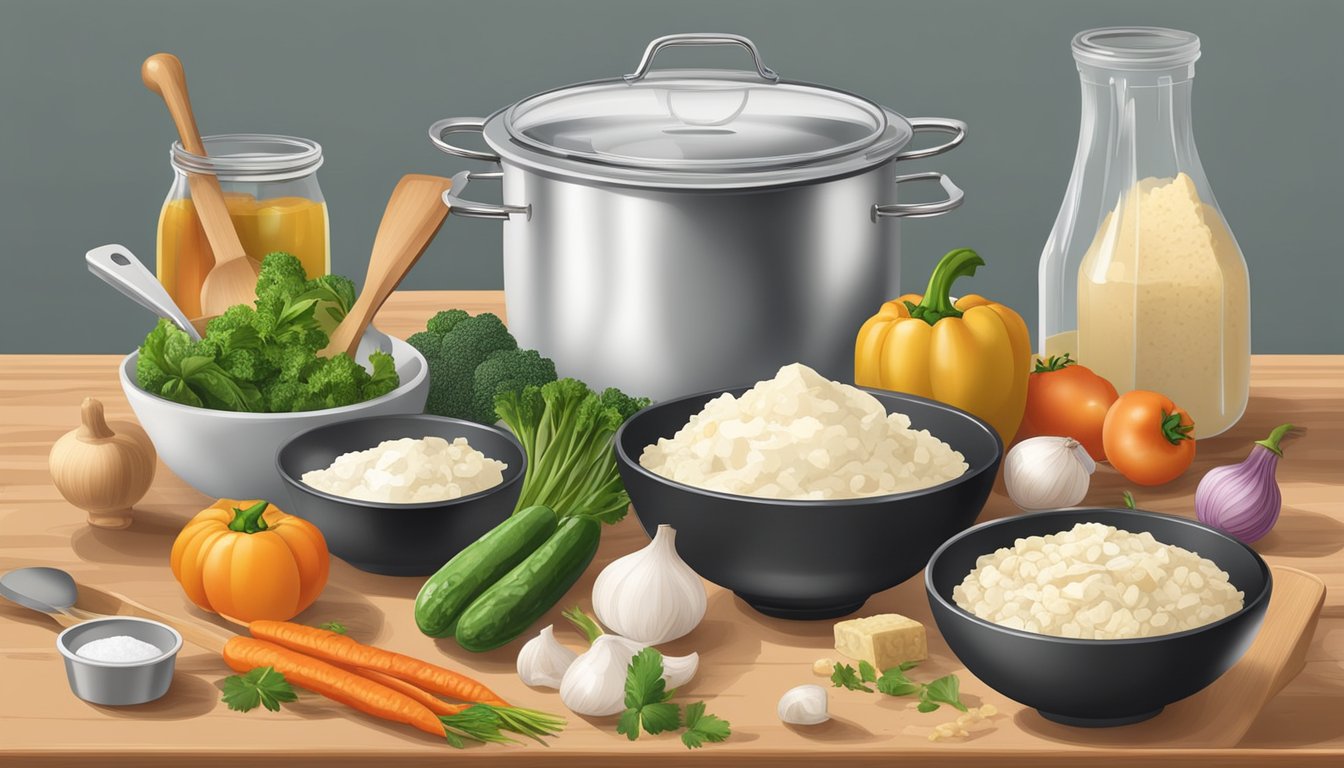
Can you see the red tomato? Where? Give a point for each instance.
(1147, 438)
(1065, 399)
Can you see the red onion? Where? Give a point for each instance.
(1243, 500)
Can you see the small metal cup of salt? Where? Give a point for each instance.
(119, 682)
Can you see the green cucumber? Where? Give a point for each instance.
(515, 602)
(482, 563)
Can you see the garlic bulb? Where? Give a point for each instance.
(543, 660)
(804, 705)
(1047, 472)
(650, 595)
(594, 684)
(103, 467)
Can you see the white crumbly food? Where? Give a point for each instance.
(409, 471)
(1097, 582)
(118, 649)
(802, 436)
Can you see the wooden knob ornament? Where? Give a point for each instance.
(103, 467)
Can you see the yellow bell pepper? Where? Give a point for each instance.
(973, 354)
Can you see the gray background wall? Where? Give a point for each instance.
(83, 146)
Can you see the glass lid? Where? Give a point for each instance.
(697, 120)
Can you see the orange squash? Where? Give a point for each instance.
(247, 560)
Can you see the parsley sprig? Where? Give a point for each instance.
(894, 682)
(648, 706)
(334, 626)
(263, 685)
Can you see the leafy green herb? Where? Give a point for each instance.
(894, 682)
(866, 672)
(334, 626)
(944, 690)
(584, 623)
(1129, 499)
(263, 685)
(647, 706)
(701, 727)
(646, 697)
(566, 430)
(844, 676)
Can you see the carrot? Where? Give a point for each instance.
(346, 651)
(243, 654)
(430, 701)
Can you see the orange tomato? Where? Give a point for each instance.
(1065, 399)
(247, 560)
(1148, 438)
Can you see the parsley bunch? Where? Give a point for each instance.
(648, 706)
(263, 685)
(894, 682)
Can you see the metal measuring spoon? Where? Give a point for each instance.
(49, 590)
(116, 266)
(53, 591)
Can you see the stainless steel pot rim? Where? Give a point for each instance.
(896, 134)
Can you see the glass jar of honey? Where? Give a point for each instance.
(270, 187)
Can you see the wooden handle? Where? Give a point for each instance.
(413, 215)
(163, 74)
(96, 603)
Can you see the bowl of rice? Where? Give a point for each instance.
(802, 495)
(1097, 617)
(401, 495)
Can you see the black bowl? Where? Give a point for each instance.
(398, 539)
(1097, 682)
(809, 559)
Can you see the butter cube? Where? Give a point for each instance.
(884, 640)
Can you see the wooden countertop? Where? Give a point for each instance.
(747, 659)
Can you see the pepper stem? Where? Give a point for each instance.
(249, 520)
(937, 301)
(1272, 442)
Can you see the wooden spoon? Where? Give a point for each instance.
(413, 215)
(233, 279)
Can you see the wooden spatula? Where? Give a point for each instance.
(413, 215)
(1219, 716)
(233, 279)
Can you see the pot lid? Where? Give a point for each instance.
(698, 121)
(703, 120)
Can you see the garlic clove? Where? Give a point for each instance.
(1047, 473)
(804, 705)
(542, 661)
(594, 685)
(651, 595)
(678, 670)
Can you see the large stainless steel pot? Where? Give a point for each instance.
(687, 230)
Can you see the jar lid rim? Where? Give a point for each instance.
(274, 154)
(1136, 47)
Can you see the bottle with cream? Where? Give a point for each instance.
(1141, 280)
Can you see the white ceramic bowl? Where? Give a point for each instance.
(227, 454)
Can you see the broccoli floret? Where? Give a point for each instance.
(454, 344)
(335, 382)
(445, 321)
(503, 371)
(281, 277)
(621, 403)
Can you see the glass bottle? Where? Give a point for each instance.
(1141, 280)
(270, 187)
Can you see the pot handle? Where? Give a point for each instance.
(935, 125)
(442, 128)
(468, 209)
(912, 210)
(708, 38)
